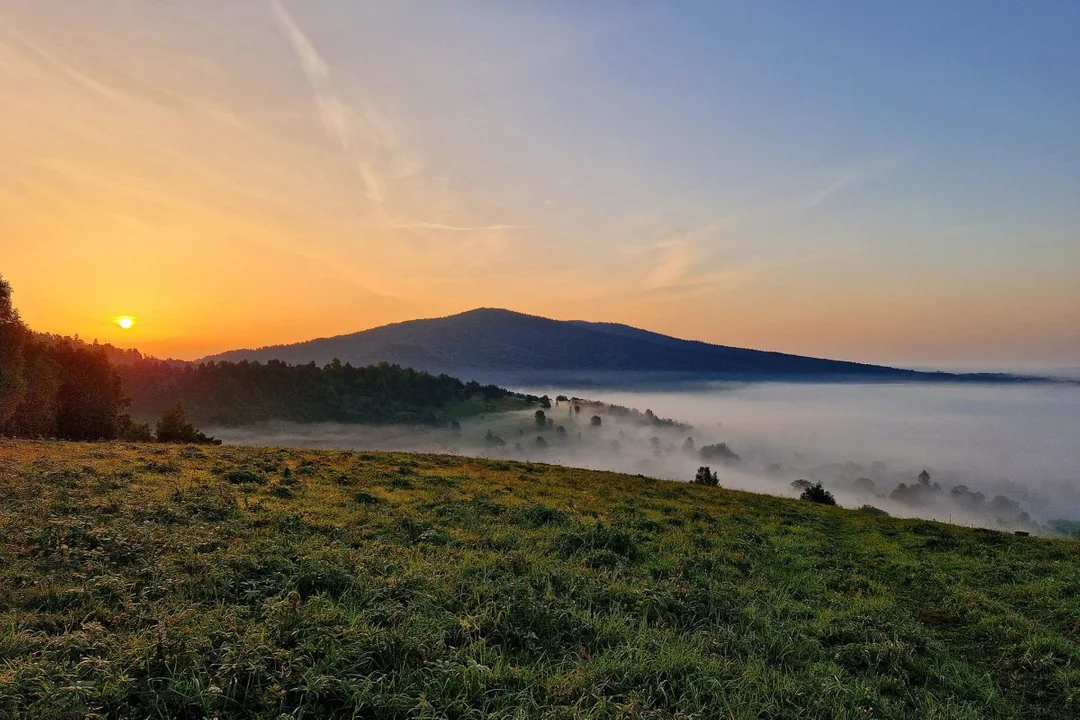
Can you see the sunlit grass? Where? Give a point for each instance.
(149, 581)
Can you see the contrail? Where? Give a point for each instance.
(334, 113)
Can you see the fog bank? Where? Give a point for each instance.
(861, 441)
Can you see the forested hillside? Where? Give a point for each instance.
(241, 393)
(53, 386)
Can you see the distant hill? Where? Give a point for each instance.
(494, 345)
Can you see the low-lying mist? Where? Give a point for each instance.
(1003, 456)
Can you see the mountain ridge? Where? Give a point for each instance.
(499, 345)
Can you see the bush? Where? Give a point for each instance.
(818, 494)
(705, 476)
(173, 427)
(240, 476)
(135, 431)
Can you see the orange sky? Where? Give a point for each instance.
(234, 176)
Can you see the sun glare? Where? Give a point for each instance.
(125, 321)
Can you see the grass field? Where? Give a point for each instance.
(160, 582)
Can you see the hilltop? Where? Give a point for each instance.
(141, 580)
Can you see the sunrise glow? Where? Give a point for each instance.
(126, 322)
(658, 168)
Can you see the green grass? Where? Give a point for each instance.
(161, 582)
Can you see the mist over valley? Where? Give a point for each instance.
(861, 441)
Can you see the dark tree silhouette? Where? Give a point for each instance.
(12, 339)
(705, 476)
(173, 427)
(719, 451)
(818, 494)
(89, 400)
(134, 431)
(595, 421)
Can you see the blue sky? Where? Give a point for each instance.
(879, 181)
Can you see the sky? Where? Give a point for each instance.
(884, 182)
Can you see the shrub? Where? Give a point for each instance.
(818, 494)
(366, 498)
(705, 476)
(240, 476)
(173, 427)
(135, 431)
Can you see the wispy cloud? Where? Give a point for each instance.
(341, 123)
(393, 173)
(53, 61)
(676, 264)
(458, 228)
(673, 266)
(847, 179)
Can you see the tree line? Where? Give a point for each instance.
(53, 386)
(241, 393)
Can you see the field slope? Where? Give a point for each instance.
(149, 581)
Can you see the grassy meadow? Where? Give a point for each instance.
(148, 581)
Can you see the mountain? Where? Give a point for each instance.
(502, 346)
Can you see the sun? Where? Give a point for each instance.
(126, 322)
